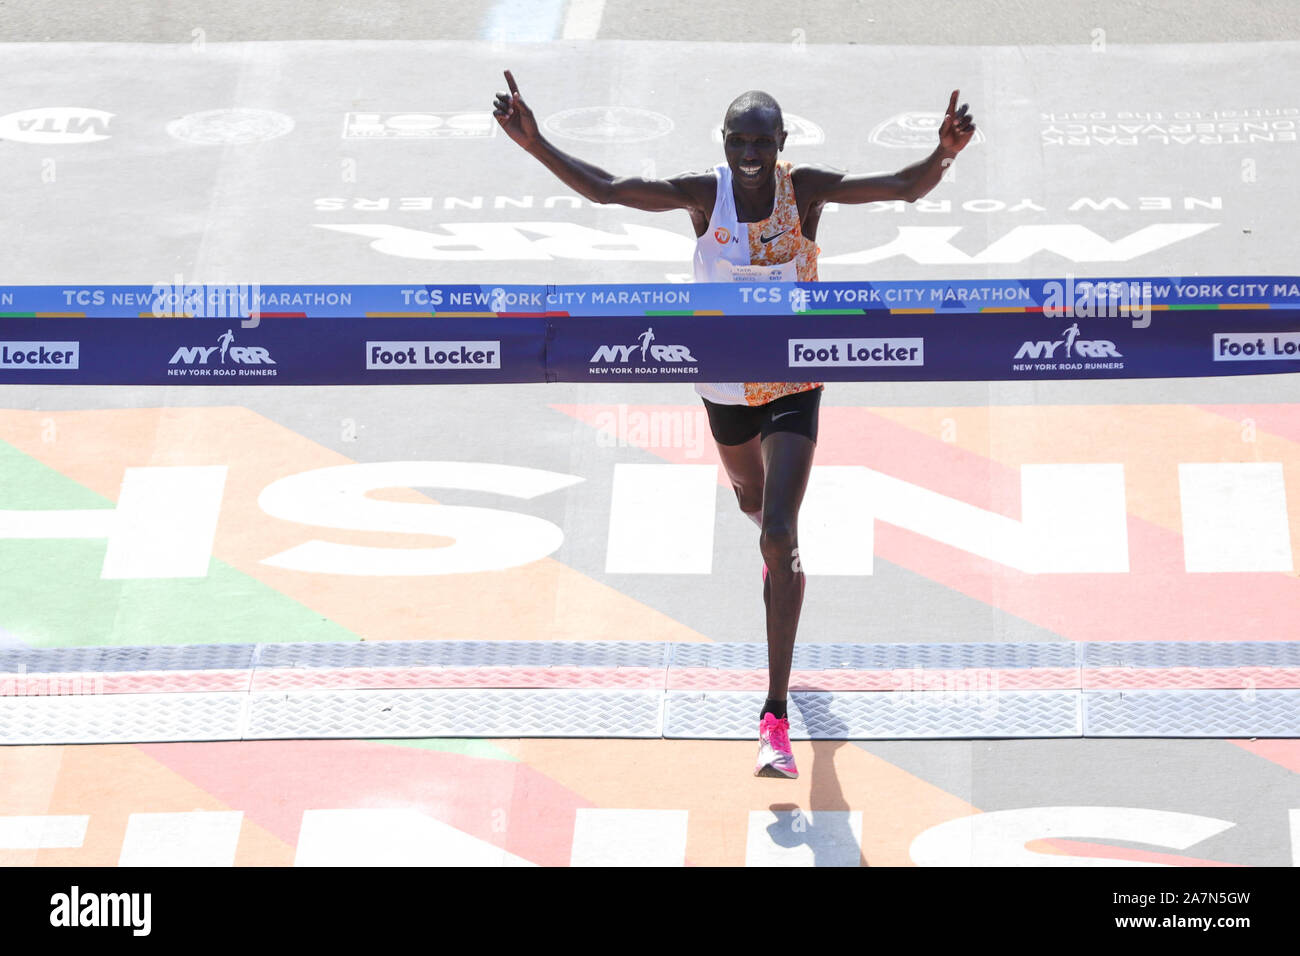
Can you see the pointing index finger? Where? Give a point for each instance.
(952, 101)
(514, 88)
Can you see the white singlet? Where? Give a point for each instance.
(774, 250)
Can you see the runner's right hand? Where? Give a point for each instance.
(515, 117)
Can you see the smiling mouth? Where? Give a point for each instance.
(751, 170)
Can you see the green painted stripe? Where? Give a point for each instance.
(51, 594)
(17, 315)
(1193, 307)
(467, 747)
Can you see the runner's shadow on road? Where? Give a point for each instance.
(824, 829)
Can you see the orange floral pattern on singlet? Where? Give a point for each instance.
(790, 244)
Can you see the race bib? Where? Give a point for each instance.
(730, 272)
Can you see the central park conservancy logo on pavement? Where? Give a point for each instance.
(230, 127)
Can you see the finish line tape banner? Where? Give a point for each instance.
(1080, 296)
(349, 335)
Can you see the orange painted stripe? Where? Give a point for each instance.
(109, 782)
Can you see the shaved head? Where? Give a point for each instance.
(755, 101)
(753, 133)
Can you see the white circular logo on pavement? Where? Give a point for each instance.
(913, 129)
(55, 124)
(609, 124)
(798, 131)
(230, 126)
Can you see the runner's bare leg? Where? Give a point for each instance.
(744, 467)
(787, 462)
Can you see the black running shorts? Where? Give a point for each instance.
(737, 424)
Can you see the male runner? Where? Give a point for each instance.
(754, 216)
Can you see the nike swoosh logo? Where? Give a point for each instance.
(783, 414)
(767, 239)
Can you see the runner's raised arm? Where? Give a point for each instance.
(824, 184)
(592, 182)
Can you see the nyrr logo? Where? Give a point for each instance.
(620, 355)
(240, 355)
(722, 234)
(929, 246)
(1082, 348)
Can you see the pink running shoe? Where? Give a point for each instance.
(774, 756)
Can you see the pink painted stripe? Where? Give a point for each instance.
(77, 683)
(1102, 851)
(361, 678)
(970, 679)
(1280, 420)
(1179, 678)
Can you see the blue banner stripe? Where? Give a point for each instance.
(1068, 296)
(870, 346)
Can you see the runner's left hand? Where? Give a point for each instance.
(958, 126)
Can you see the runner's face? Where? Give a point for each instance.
(751, 141)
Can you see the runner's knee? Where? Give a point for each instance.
(749, 501)
(778, 542)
